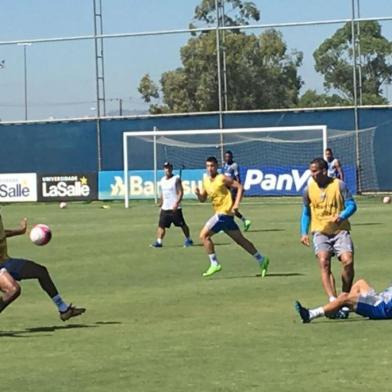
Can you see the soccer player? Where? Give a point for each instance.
(14, 270)
(217, 187)
(335, 169)
(170, 202)
(232, 170)
(327, 205)
(362, 299)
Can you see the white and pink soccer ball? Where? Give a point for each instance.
(386, 200)
(40, 234)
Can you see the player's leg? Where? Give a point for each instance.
(163, 223)
(237, 236)
(9, 287)
(32, 270)
(344, 248)
(212, 227)
(327, 278)
(179, 221)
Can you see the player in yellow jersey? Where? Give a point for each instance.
(13, 270)
(217, 187)
(327, 206)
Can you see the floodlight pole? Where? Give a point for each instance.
(25, 45)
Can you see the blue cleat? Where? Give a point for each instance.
(156, 244)
(303, 312)
(188, 243)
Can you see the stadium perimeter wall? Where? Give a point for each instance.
(71, 146)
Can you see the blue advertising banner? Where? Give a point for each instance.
(141, 183)
(257, 181)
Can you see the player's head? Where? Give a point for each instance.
(328, 154)
(319, 170)
(228, 156)
(212, 166)
(168, 169)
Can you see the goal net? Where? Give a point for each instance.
(273, 160)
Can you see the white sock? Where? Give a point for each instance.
(317, 312)
(159, 241)
(259, 258)
(213, 259)
(61, 305)
(331, 298)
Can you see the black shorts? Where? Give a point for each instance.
(167, 217)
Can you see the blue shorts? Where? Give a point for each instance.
(221, 222)
(374, 307)
(13, 267)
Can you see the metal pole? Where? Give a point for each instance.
(125, 164)
(155, 165)
(102, 59)
(120, 106)
(25, 79)
(223, 23)
(359, 54)
(356, 118)
(218, 65)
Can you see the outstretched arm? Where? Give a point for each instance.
(19, 231)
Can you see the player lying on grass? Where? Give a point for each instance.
(217, 187)
(13, 270)
(362, 299)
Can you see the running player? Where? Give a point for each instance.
(13, 270)
(217, 187)
(335, 169)
(170, 203)
(327, 206)
(362, 299)
(232, 170)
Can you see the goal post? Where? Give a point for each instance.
(201, 141)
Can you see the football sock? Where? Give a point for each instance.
(213, 259)
(317, 312)
(159, 241)
(61, 305)
(259, 258)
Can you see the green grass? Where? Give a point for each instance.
(154, 324)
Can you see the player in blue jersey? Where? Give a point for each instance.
(362, 299)
(232, 170)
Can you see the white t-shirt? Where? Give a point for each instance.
(332, 171)
(169, 192)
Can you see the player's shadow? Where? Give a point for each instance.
(199, 245)
(28, 332)
(269, 275)
(264, 230)
(367, 224)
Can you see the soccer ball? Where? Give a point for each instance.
(40, 234)
(386, 199)
(63, 204)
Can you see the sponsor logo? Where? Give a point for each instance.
(67, 187)
(18, 187)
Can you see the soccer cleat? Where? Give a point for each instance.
(212, 270)
(156, 244)
(303, 312)
(247, 224)
(188, 243)
(264, 266)
(341, 314)
(72, 311)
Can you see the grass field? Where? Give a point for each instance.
(154, 324)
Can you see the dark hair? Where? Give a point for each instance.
(320, 162)
(212, 160)
(329, 150)
(229, 153)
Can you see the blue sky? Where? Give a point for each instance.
(64, 72)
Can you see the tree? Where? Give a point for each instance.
(261, 73)
(311, 99)
(334, 59)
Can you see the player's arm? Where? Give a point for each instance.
(240, 191)
(19, 231)
(180, 193)
(305, 219)
(237, 172)
(350, 206)
(339, 169)
(201, 195)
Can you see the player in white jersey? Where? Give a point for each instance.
(334, 167)
(171, 194)
(362, 299)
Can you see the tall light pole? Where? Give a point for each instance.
(25, 45)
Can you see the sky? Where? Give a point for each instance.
(61, 76)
